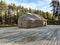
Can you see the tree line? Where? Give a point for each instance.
(9, 13)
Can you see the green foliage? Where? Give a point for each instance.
(14, 7)
(3, 6)
(0, 18)
(19, 10)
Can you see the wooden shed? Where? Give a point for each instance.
(29, 20)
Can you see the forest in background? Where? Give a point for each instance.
(9, 13)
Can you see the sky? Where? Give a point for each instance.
(43, 5)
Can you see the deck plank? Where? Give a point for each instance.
(31, 37)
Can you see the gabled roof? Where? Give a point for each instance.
(29, 16)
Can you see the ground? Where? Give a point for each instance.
(49, 35)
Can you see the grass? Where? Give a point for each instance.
(7, 25)
(15, 25)
(53, 24)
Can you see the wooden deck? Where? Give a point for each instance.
(40, 37)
